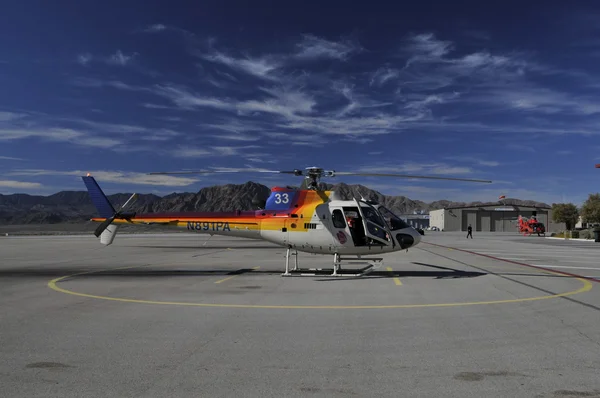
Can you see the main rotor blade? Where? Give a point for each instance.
(346, 173)
(222, 171)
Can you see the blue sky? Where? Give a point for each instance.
(508, 93)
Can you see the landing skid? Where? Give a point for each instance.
(372, 263)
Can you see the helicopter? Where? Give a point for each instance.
(308, 219)
(530, 226)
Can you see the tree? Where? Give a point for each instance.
(590, 211)
(565, 212)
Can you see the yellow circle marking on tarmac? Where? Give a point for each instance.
(587, 285)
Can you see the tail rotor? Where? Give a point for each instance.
(118, 215)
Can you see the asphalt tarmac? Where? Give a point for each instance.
(156, 315)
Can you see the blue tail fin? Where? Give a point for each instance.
(105, 209)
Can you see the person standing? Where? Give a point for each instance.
(469, 232)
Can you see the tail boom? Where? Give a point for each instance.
(238, 224)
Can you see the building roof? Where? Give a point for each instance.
(497, 204)
(414, 216)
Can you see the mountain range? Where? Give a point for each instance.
(76, 206)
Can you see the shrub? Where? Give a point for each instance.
(586, 234)
(574, 234)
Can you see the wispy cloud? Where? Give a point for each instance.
(260, 158)
(84, 59)
(542, 100)
(377, 124)
(284, 102)
(189, 100)
(430, 65)
(425, 47)
(437, 89)
(10, 158)
(424, 168)
(119, 58)
(212, 151)
(425, 102)
(58, 135)
(92, 82)
(473, 160)
(262, 67)
(233, 130)
(280, 101)
(84, 132)
(313, 47)
(383, 75)
(117, 177)
(564, 152)
(356, 101)
(8, 116)
(235, 137)
(500, 82)
(133, 132)
(155, 28)
(19, 184)
(270, 66)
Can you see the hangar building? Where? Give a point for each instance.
(416, 220)
(490, 217)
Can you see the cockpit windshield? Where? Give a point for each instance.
(394, 222)
(371, 215)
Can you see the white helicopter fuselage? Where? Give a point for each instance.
(328, 231)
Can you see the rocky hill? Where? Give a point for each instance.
(75, 206)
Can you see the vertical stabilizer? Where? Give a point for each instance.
(105, 209)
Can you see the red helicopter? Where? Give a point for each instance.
(531, 226)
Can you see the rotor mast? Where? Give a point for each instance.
(312, 177)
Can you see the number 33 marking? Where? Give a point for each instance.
(281, 198)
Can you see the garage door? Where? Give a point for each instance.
(484, 222)
(469, 217)
(504, 221)
(497, 221)
(510, 221)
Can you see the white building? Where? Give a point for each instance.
(490, 217)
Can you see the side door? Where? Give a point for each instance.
(341, 231)
(374, 225)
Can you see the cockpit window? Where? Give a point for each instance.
(338, 219)
(371, 215)
(393, 221)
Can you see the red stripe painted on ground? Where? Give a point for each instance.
(516, 262)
